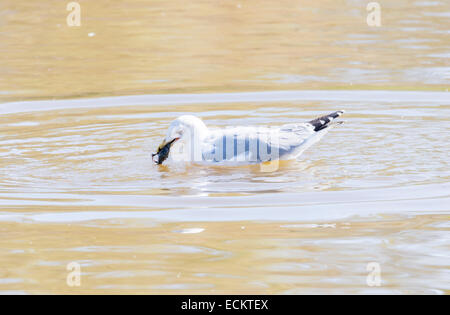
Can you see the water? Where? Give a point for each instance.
(77, 183)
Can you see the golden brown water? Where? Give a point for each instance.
(77, 183)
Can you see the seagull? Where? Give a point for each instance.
(244, 145)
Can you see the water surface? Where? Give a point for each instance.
(78, 184)
(82, 109)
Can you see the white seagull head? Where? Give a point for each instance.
(180, 128)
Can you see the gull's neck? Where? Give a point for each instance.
(195, 134)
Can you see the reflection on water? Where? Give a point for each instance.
(77, 183)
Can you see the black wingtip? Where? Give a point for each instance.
(324, 121)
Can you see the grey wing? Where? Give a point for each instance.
(239, 144)
(257, 144)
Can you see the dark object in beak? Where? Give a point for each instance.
(163, 152)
